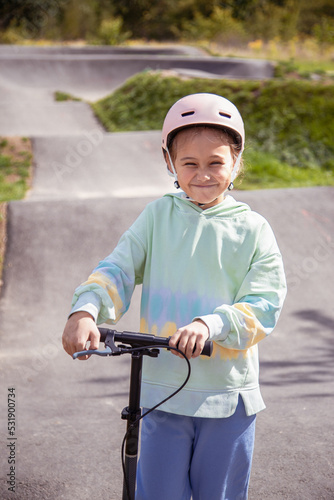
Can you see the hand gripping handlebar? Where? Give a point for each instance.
(133, 339)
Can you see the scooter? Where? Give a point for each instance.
(138, 345)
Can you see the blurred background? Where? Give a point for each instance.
(274, 28)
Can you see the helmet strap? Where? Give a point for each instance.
(235, 168)
(174, 174)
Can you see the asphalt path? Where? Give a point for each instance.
(88, 188)
(29, 76)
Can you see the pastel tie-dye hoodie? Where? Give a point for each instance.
(222, 265)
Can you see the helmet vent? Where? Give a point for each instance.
(188, 113)
(226, 115)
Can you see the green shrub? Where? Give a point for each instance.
(111, 32)
(220, 26)
(323, 31)
(12, 35)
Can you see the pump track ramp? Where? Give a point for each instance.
(88, 188)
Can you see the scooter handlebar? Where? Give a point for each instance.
(143, 339)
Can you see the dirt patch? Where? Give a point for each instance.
(19, 152)
(15, 147)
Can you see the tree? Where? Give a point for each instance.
(29, 15)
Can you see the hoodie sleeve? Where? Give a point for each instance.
(113, 281)
(258, 302)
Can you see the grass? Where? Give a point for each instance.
(60, 96)
(15, 179)
(289, 125)
(15, 168)
(264, 171)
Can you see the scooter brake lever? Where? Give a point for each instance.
(106, 352)
(111, 349)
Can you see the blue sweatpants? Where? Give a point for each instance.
(199, 458)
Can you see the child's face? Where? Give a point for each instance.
(203, 162)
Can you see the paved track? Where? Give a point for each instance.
(68, 425)
(93, 73)
(29, 76)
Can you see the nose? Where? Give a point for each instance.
(203, 175)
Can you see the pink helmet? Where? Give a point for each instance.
(203, 109)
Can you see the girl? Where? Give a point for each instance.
(210, 269)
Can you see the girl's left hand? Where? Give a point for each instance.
(187, 337)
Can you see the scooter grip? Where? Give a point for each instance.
(207, 349)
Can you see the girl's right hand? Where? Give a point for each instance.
(79, 329)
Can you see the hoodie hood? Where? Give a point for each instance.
(229, 207)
